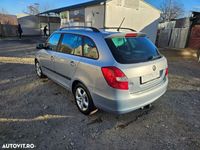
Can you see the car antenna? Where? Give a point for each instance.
(121, 24)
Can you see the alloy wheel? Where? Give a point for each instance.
(82, 99)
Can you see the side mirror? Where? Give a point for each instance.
(40, 46)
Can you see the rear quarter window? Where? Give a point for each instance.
(127, 50)
(89, 48)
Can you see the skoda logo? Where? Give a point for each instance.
(154, 68)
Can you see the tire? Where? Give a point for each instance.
(198, 55)
(83, 99)
(38, 70)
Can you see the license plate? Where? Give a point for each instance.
(150, 77)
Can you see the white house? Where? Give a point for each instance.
(138, 15)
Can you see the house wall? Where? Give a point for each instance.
(138, 15)
(95, 16)
(64, 16)
(30, 25)
(33, 25)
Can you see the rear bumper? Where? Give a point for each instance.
(120, 104)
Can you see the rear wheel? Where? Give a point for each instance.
(38, 70)
(83, 99)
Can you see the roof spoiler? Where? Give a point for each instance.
(127, 35)
(117, 28)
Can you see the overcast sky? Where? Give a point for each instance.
(18, 6)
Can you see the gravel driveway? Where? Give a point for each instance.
(39, 111)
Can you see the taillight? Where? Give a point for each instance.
(115, 78)
(166, 72)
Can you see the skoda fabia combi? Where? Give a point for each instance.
(111, 70)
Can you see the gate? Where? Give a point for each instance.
(194, 41)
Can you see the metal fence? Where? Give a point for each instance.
(174, 34)
(173, 38)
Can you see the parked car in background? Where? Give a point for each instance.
(111, 70)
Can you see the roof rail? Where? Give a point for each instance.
(119, 28)
(84, 27)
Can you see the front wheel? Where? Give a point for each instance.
(38, 70)
(83, 99)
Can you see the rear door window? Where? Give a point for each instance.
(89, 48)
(53, 41)
(71, 44)
(127, 50)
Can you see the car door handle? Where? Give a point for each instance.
(72, 63)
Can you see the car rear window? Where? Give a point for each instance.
(127, 50)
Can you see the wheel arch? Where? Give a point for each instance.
(76, 81)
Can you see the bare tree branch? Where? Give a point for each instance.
(171, 9)
(36, 8)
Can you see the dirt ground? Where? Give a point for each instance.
(39, 111)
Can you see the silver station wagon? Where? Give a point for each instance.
(111, 70)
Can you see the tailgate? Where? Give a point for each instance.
(143, 76)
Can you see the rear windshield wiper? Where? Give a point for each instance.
(154, 57)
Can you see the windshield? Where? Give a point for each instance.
(128, 50)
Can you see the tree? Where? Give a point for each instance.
(37, 8)
(32, 9)
(45, 6)
(171, 9)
